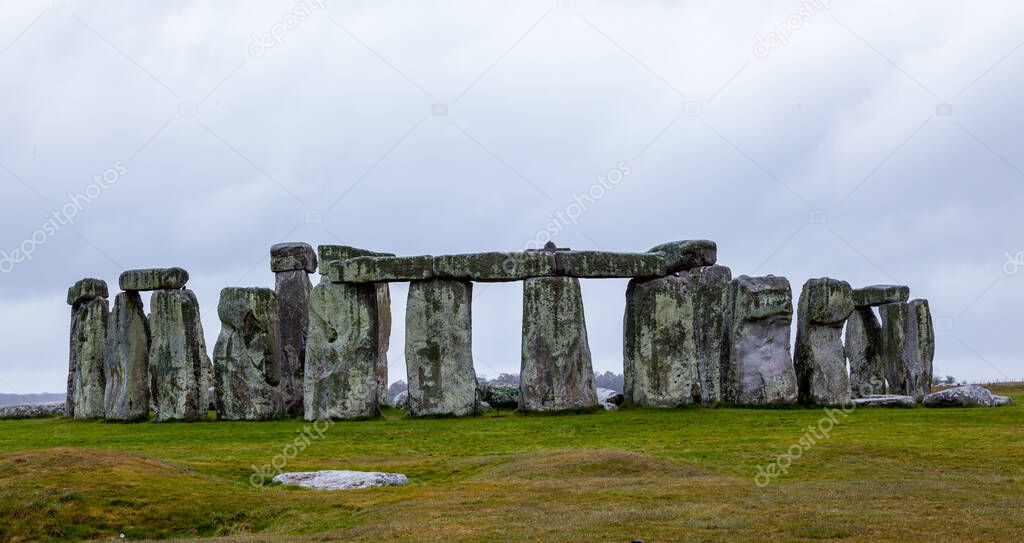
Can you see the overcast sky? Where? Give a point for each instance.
(808, 140)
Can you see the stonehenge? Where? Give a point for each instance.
(692, 335)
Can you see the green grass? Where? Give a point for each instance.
(673, 475)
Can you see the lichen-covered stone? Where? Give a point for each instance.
(292, 256)
(87, 289)
(246, 358)
(88, 349)
(962, 396)
(688, 254)
(819, 360)
(383, 340)
(502, 396)
(181, 372)
(154, 279)
(342, 352)
(293, 291)
(863, 347)
(377, 269)
(439, 348)
(495, 266)
(757, 366)
(598, 264)
(908, 347)
(557, 370)
(334, 253)
(127, 360)
(876, 295)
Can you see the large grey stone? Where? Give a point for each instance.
(293, 256)
(495, 266)
(87, 289)
(154, 279)
(342, 352)
(863, 347)
(884, 400)
(876, 295)
(377, 269)
(333, 253)
(962, 396)
(87, 351)
(503, 396)
(383, 340)
(181, 372)
(908, 347)
(602, 264)
(341, 480)
(557, 371)
(247, 356)
(127, 360)
(819, 360)
(293, 291)
(606, 395)
(688, 254)
(757, 366)
(439, 348)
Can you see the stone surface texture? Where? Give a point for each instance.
(884, 400)
(819, 359)
(28, 411)
(863, 347)
(602, 264)
(87, 351)
(495, 266)
(247, 356)
(181, 372)
(127, 360)
(292, 256)
(383, 340)
(377, 269)
(439, 348)
(342, 352)
(341, 480)
(502, 396)
(557, 371)
(962, 396)
(87, 289)
(876, 295)
(908, 347)
(154, 279)
(757, 367)
(688, 254)
(293, 291)
(333, 253)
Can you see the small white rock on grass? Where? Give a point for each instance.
(341, 480)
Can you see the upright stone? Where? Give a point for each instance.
(757, 366)
(439, 348)
(89, 315)
(127, 395)
(557, 370)
(820, 361)
(180, 370)
(247, 356)
(908, 347)
(383, 340)
(864, 353)
(292, 263)
(342, 352)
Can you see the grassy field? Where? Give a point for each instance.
(675, 475)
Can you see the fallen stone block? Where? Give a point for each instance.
(884, 400)
(486, 267)
(876, 295)
(341, 480)
(687, 254)
(601, 264)
(378, 269)
(962, 396)
(154, 279)
(293, 256)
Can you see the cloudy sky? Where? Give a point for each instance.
(871, 142)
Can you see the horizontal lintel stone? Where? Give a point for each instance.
(688, 254)
(377, 269)
(602, 264)
(875, 295)
(333, 253)
(495, 266)
(154, 279)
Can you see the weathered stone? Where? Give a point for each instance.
(504, 396)
(876, 295)
(688, 254)
(439, 348)
(757, 366)
(87, 289)
(495, 266)
(1001, 401)
(342, 352)
(605, 395)
(341, 480)
(599, 264)
(85, 368)
(863, 347)
(293, 290)
(884, 400)
(908, 347)
(333, 253)
(247, 356)
(962, 396)
(29, 411)
(402, 400)
(293, 256)
(154, 279)
(127, 360)
(383, 340)
(557, 370)
(378, 269)
(180, 370)
(819, 360)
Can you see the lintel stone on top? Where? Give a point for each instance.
(333, 253)
(378, 269)
(495, 266)
(153, 279)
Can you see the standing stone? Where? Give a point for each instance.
(383, 340)
(439, 348)
(864, 353)
(89, 315)
(127, 360)
(557, 371)
(908, 347)
(246, 357)
(341, 352)
(293, 291)
(820, 361)
(180, 370)
(757, 366)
